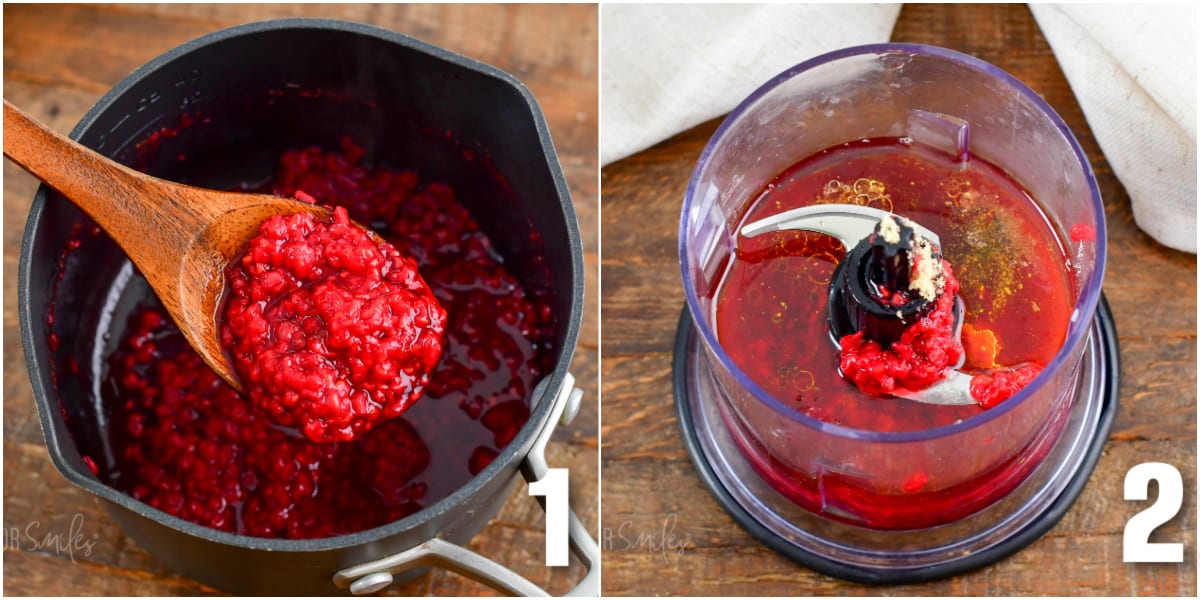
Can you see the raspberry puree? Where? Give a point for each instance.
(331, 331)
(915, 361)
(922, 355)
(183, 441)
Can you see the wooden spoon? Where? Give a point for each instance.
(180, 237)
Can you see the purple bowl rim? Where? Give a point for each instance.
(1089, 291)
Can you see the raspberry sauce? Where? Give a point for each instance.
(916, 360)
(185, 442)
(330, 330)
(771, 310)
(1009, 264)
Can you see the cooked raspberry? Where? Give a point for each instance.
(481, 457)
(331, 331)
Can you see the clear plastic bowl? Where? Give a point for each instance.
(951, 101)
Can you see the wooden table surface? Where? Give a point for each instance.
(684, 543)
(58, 60)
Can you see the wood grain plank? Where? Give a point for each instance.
(726, 572)
(657, 545)
(90, 49)
(1154, 405)
(41, 572)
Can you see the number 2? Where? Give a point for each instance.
(1138, 547)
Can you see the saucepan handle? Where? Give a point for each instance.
(378, 574)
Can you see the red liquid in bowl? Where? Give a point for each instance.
(186, 443)
(771, 308)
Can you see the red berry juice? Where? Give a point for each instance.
(771, 308)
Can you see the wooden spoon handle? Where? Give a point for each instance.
(132, 207)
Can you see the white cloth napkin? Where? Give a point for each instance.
(1133, 70)
(667, 68)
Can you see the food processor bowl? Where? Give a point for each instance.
(218, 112)
(874, 505)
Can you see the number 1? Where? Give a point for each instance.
(554, 487)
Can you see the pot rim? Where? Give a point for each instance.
(508, 457)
